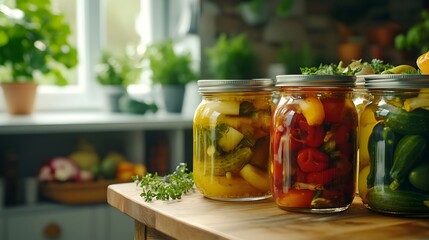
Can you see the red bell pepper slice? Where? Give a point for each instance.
(312, 160)
(309, 135)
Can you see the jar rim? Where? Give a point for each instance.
(303, 80)
(235, 85)
(395, 81)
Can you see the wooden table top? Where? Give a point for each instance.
(196, 217)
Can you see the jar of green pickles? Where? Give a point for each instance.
(394, 150)
(314, 143)
(231, 137)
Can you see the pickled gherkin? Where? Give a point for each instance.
(398, 147)
(232, 162)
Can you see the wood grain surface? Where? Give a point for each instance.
(196, 217)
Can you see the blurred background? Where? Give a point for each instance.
(114, 96)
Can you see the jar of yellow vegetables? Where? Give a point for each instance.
(231, 138)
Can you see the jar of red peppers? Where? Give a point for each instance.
(231, 132)
(313, 143)
(394, 145)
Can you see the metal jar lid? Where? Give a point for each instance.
(301, 80)
(229, 85)
(396, 81)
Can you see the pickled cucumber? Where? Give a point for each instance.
(232, 162)
(224, 187)
(256, 177)
(230, 139)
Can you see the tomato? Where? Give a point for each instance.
(334, 109)
(309, 135)
(296, 198)
(312, 160)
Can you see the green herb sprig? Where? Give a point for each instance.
(169, 187)
(379, 66)
(328, 69)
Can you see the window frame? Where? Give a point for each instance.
(85, 95)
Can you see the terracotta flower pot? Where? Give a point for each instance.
(20, 97)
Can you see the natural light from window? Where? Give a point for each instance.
(113, 26)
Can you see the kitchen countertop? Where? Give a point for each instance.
(196, 217)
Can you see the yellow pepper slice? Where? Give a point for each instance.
(423, 63)
(312, 109)
(422, 100)
(362, 183)
(366, 124)
(417, 102)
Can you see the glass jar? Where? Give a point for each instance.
(360, 94)
(394, 150)
(314, 143)
(231, 132)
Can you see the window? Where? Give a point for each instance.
(81, 93)
(115, 25)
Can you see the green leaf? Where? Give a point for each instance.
(284, 7)
(40, 24)
(4, 39)
(119, 71)
(232, 58)
(167, 66)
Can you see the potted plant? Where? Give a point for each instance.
(172, 71)
(416, 39)
(232, 58)
(114, 74)
(294, 59)
(34, 48)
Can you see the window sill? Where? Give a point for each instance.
(90, 121)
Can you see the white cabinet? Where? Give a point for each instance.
(61, 224)
(99, 222)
